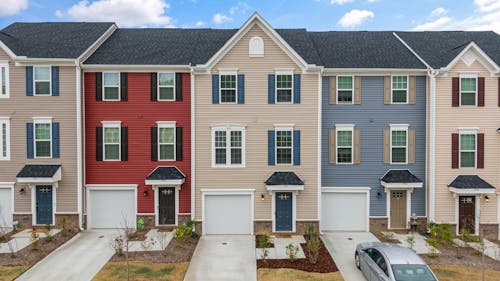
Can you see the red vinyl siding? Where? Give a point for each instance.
(139, 114)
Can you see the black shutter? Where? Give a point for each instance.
(124, 144)
(154, 144)
(98, 143)
(123, 86)
(154, 86)
(178, 144)
(98, 86)
(178, 86)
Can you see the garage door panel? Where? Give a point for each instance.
(228, 214)
(6, 207)
(112, 208)
(344, 211)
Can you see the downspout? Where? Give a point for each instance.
(432, 144)
(319, 148)
(193, 150)
(79, 154)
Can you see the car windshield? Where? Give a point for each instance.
(412, 272)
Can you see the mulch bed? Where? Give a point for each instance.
(257, 245)
(469, 257)
(175, 252)
(383, 238)
(29, 256)
(324, 264)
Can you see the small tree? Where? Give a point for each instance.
(411, 241)
(291, 252)
(121, 242)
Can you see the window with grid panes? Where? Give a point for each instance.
(111, 85)
(467, 150)
(284, 147)
(284, 86)
(344, 89)
(166, 143)
(236, 147)
(468, 91)
(4, 139)
(344, 146)
(166, 86)
(3, 80)
(227, 88)
(398, 146)
(111, 143)
(42, 80)
(220, 147)
(43, 140)
(399, 89)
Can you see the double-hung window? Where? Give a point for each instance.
(4, 80)
(228, 87)
(111, 85)
(468, 90)
(228, 146)
(344, 89)
(284, 87)
(166, 86)
(166, 141)
(344, 144)
(111, 141)
(4, 138)
(399, 89)
(468, 149)
(42, 80)
(399, 144)
(284, 146)
(43, 138)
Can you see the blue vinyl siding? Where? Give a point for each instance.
(372, 117)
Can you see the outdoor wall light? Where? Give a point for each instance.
(379, 194)
(262, 196)
(145, 193)
(486, 198)
(22, 191)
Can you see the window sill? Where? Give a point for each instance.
(228, 166)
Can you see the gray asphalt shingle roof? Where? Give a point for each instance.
(38, 171)
(284, 178)
(166, 173)
(400, 176)
(52, 39)
(469, 181)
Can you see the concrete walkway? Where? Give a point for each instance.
(342, 246)
(223, 257)
(22, 240)
(420, 245)
(77, 260)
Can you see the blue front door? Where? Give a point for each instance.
(284, 210)
(43, 204)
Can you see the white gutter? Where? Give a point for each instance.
(79, 153)
(319, 148)
(432, 145)
(193, 150)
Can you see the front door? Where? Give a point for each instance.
(284, 211)
(44, 204)
(467, 213)
(398, 209)
(166, 206)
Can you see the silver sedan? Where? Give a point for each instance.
(389, 262)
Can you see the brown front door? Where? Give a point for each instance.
(467, 213)
(398, 209)
(166, 208)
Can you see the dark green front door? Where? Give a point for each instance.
(284, 211)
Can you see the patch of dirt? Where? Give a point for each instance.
(325, 262)
(469, 257)
(29, 256)
(257, 245)
(175, 252)
(139, 235)
(385, 239)
(7, 236)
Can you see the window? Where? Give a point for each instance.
(256, 47)
(344, 89)
(468, 90)
(344, 145)
(468, 150)
(43, 138)
(284, 146)
(166, 86)
(410, 272)
(228, 146)
(42, 80)
(399, 145)
(166, 141)
(4, 139)
(284, 88)
(4, 80)
(111, 141)
(399, 89)
(111, 86)
(377, 257)
(228, 88)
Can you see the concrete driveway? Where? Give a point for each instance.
(77, 260)
(223, 257)
(341, 246)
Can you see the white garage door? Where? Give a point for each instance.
(111, 208)
(5, 207)
(228, 214)
(344, 211)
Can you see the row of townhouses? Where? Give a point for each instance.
(250, 129)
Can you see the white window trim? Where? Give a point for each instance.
(399, 127)
(467, 75)
(163, 125)
(111, 124)
(6, 121)
(277, 128)
(42, 120)
(467, 132)
(4, 65)
(104, 87)
(407, 89)
(337, 89)
(235, 74)
(282, 72)
(35, 80)
(159, 86)
(228, 129)
(344, 127)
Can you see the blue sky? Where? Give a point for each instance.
(310, 14)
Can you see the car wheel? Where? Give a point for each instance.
(356, 260)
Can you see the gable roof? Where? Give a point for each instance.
(57, 40)
(400, 176)
(284, 178)
(440, 48)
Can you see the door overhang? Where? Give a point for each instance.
(40, 174)
(470, 185)
(165, 176)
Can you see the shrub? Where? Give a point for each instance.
(34, 238)
(411, 241)
(291, 252)
(310, 231)
(313, 247)
(64, 229)
(48, 227)
(185, 230)
(264, 240)
(468, 237)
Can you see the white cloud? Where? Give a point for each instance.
(59, 13)
(433, 25)
(439, 12)
(12, 7)
(340, 2)
(125, 13)
(200, 23)
(355, 18)
(220, 18)
(373, 1)
(240, 9)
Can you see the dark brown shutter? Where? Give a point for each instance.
(98, 86)
(178, 144)
(455, 92)
(154, 86)
(154, 144)
(480, 91)
(480, 151)
(178, 86)
(454, 151)
(123, 86)
(98, 143)
(124, 144)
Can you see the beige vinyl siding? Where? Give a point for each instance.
(258, 116)
(448, 120)
(21, 110)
